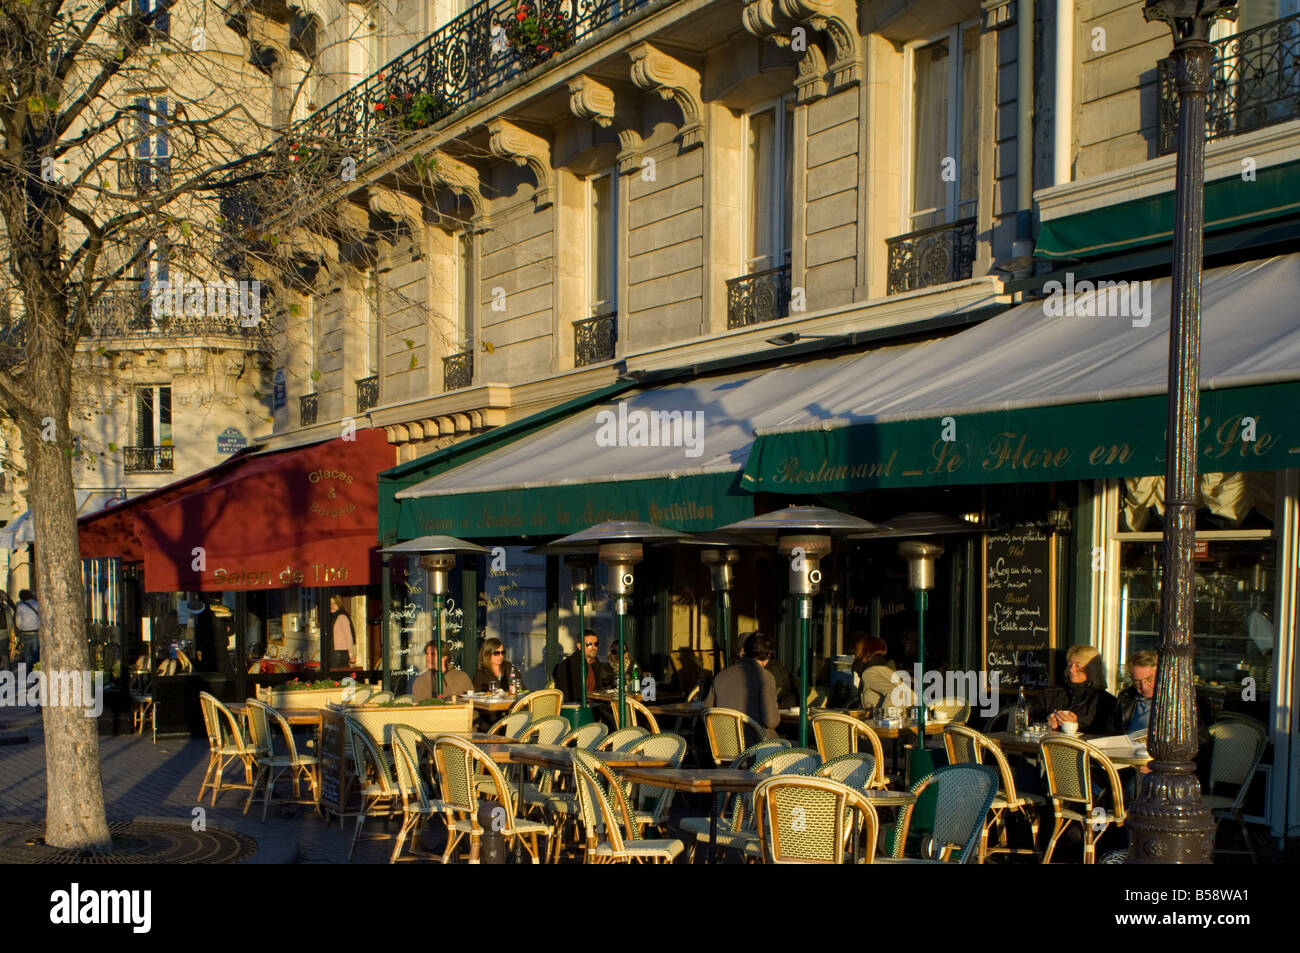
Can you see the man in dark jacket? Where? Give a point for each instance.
(1132, 714)
(568, 673)
(1083, 698)
(747, 686)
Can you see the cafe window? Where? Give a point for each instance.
(512, 604)
(1236, 610)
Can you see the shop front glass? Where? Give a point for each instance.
(102, 583)
(1234, 630)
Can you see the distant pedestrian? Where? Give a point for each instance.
(345, 651)
(27, 620)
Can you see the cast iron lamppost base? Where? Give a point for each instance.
(1168, 823)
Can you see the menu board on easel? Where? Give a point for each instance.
(334, 767)
(1019, 606)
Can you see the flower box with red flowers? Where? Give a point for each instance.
(538, 30)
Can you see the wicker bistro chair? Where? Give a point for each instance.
(736, 828)
(1239, 745)
(380, 698)
(360, 695)
(586, 737)
(968, 746)
(548, 730)
(728, 731)
(803, 761)
(651, 805)
(837, 735)
(266, 722)
(226, 745)
(622, 739)
(964, 793)
(459, 763)
(608, 819)
(1068, 762)
(857, 770)
(638, 714)
(140, 689)
(380, 796)
(418, 803)
(511, 725)
(804, 820)
(404, 700)
(544, 703)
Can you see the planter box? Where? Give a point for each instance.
(429, 719)
(278, 697)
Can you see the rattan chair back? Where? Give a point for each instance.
(808, 820)
(802, 761)
(837, 734)
(622, 739)
(512, 725)
(857, 770)
(1238, 749)
(544, 703)
(547, 730)
(729, 732)
(638, 714)
(586, 737)
(1066, 761)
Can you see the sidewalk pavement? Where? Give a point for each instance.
(144, 781)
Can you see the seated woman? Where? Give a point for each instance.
(492, 667)
(1082, 698)
(877, 677)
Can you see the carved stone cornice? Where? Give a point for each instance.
(301, 243)
(352, 222)
(401, 208)
(763, 19)
(460, 178)
(837, 19)
(811, 83)
(655, 71)
(522, 147)
(591, 99)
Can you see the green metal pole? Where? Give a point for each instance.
(619, 615)
(437, 641)
(724, 625)
(919, 762)
(922, 603)
(581, 598)
(805, 626)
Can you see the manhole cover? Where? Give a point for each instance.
(134, 842)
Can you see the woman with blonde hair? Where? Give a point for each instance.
(492, 666)
(1082, 698)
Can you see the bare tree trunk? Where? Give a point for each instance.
(74, 805)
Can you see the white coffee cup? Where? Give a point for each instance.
(1070, 727)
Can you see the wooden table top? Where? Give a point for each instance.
(889, 798)
(486, 702)
(695, 780)
(294, 716)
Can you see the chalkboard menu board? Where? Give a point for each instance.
(1019, 605)
(334, 763)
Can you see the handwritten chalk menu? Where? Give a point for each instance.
(334, 763)
(1019, 600)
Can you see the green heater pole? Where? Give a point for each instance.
(724, 625)
(581, 598)
(619, 620)
(805, 629)
(437, 641)
(920, 763)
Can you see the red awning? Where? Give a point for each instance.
(108, 532)
(304, 517)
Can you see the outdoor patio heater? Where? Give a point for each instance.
(802, 534)
(617, 545)
(438, 559)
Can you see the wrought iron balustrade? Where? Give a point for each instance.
(147, 459)
(931, 256)
(307, 410)
(367, 393)
(143, 174)
(132, 314)
(762, 296)
(475, 54)
(457, 370)
(1254, 82)
(594, 339)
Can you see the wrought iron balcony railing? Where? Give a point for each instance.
(307, 410)
(1255, 82)
(475, 54)
(594, 339)
(143, 174)
(762, 296)
(457, 370)
(931, 256)
(367, 393)
(131, 314)
(147, 459)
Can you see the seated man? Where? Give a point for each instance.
(1132, 714)
(1083, 698)
(454, 681)
(747, 686)
(568, 673)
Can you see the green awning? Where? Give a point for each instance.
(1229, 203)
(1071, 442)
(690, 503)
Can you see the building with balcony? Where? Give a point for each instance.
(871, 206)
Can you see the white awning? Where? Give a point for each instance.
(1028, 357)
(20, 531)
(577, 450)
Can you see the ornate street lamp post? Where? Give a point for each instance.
(1169, 823)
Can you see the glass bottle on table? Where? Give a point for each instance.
(1020, 714)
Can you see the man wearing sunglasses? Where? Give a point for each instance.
(568, 673)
